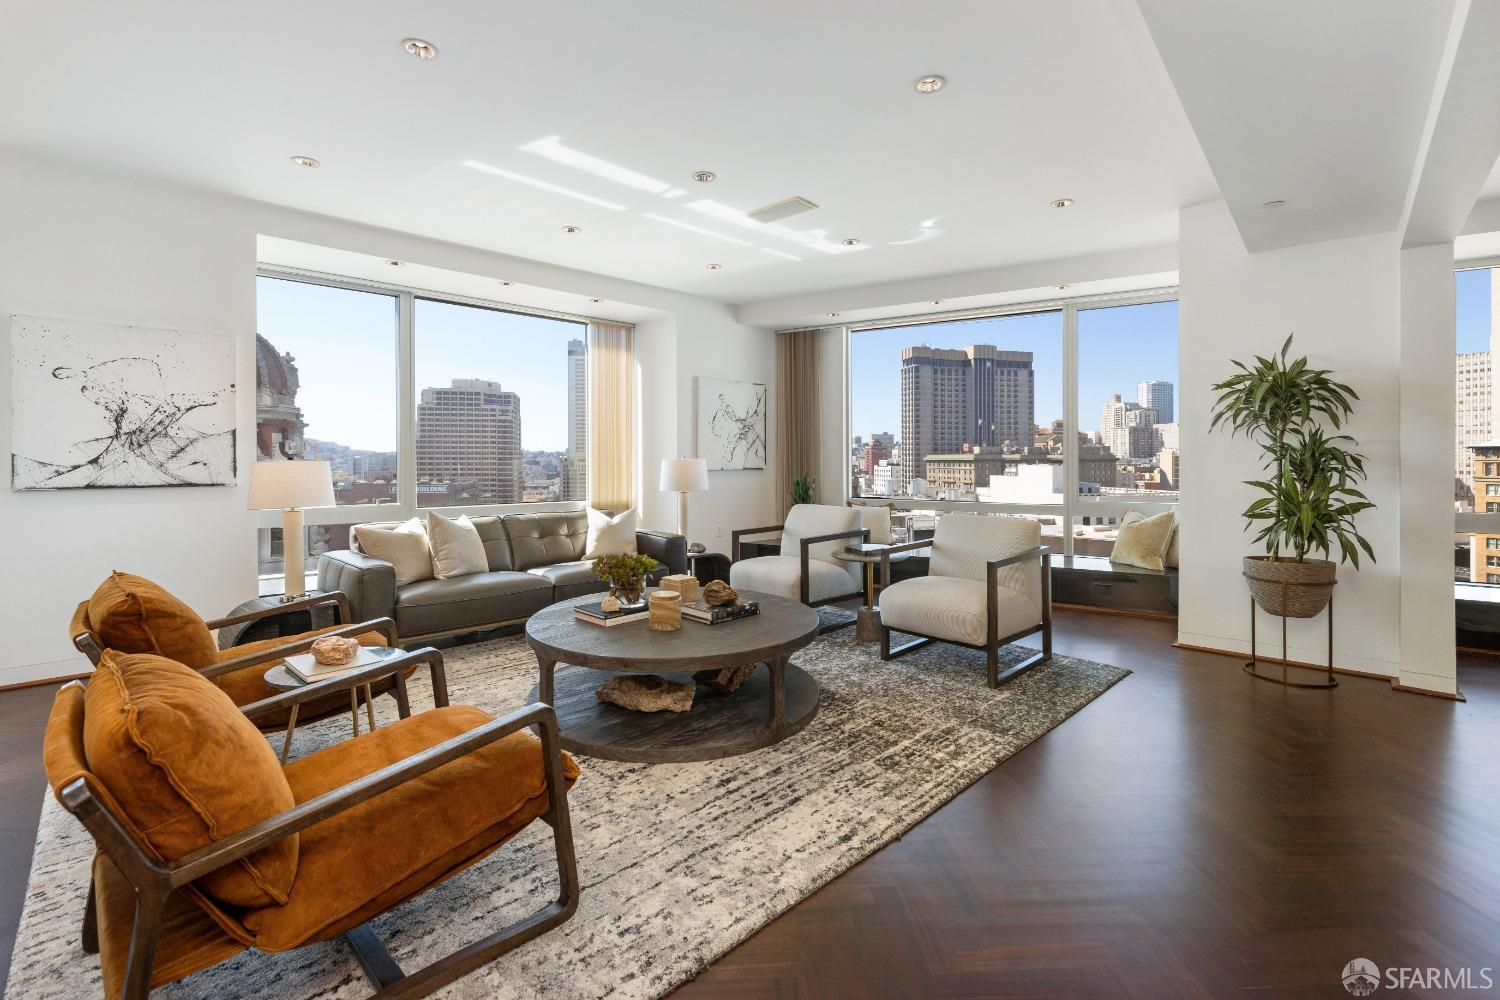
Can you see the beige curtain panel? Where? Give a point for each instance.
(797, 423)
(611, 365)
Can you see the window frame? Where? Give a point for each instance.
(407, 394)
(1074, 506)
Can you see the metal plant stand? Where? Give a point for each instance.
(1329, 681)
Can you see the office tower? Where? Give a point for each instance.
(1128, 429)
(471, 430)
(980, 396)
(1157, 395)
(575, 470)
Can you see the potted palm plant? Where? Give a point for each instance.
(1310, 493)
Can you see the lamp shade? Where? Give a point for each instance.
(684, 475)
(287, 485)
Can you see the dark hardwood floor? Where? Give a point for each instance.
(1192, 833)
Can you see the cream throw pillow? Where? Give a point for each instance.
(610, 536)
(1144, 540)
(404, 547)
(457, 549)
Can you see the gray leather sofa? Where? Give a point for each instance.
(534, 560)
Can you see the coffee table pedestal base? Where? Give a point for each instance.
(719, 725)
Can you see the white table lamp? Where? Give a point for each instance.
(683, 476)
(290, 487)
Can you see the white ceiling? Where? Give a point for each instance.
(607, 100)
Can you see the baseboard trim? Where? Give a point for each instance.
(1156, 616)
(1321, 667)
(44, 681)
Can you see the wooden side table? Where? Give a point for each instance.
(281, 678)
(294, 622)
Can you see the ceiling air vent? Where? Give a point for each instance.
(785, 209)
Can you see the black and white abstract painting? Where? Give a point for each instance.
(732, 423)
(97, 405)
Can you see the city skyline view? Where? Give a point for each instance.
(345, 394)
(1119, 348)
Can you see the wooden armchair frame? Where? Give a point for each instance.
(154, 881)
(863, 534)
(993, 640)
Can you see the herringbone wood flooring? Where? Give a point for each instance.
(1193, 833)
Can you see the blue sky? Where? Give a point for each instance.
(344, 343)
(1473, 310)
(1118, 348)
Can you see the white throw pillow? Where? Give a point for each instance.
(610, 536)
(457, 549)
(404, 547)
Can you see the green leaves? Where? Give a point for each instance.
(1311, 495)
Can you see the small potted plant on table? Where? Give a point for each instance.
(1311, 495)
(627, 577)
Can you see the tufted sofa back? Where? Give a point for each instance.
(547, 538)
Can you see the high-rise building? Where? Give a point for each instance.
(1476, 405)
(1128, 429)
(979, 396)
(575, 470)
(1157, 395)
(471, 430)
(1484, 551)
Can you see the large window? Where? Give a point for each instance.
(415, 402)
(502, 406)
(1066, 413)
(1476, 446)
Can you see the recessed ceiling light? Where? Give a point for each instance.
(851, 242)
(833, 315)
(596, 300)
(305, 161)
(704, 176)
(1278, 203)
(505, 283)
(571, 229)
(714, 267)
(1063, 287)
(419, 48)
(930, 84)
(937, 302)
(1060, 202)
(396, 263)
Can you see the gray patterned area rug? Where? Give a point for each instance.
(679, 862)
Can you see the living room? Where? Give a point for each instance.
(1052, 399)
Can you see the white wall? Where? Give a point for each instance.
(95, 246)
(1344, 302)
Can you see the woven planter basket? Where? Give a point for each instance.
(1293, 589)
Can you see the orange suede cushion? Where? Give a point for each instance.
(187, 769)
(362, 861)
(133, 615)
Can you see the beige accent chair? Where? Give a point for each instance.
(988, 583)
(805, 570)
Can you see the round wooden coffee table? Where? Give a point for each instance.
(768, 707)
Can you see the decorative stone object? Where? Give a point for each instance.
(718, 594)
(610, 603)
(334, 650)
(726, 679)
(682, 583)
(647, 693)
(665, 610)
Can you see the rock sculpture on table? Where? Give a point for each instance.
(719, 594)
(334, 650)
(726, 679)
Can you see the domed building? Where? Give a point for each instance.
(278, 420)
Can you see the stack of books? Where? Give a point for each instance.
(698, 611)
(595, 614)
(304, 667)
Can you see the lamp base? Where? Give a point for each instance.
(294, 572)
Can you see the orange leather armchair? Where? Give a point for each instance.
(208, 846)
(130, 614)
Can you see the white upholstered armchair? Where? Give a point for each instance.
(988, 583)
(805, 570)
